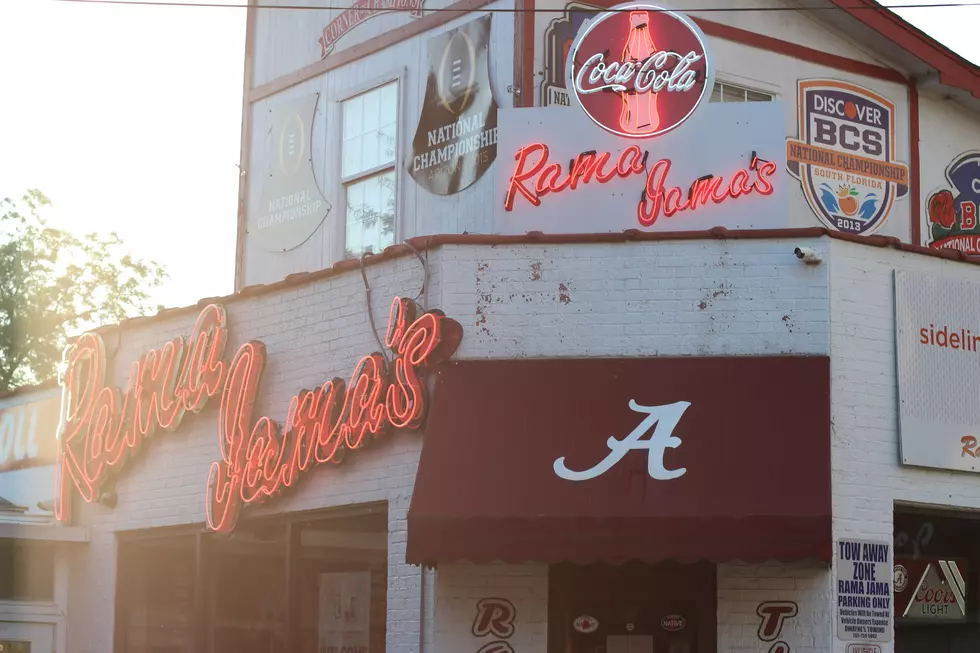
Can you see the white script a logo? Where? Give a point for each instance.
(665, 418)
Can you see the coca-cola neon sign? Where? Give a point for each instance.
(536, 177)
(639, 70)
(100, 430)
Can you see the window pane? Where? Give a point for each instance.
(370, 214)
(732, 94)
(26, 571)
(716, 93)
(756, 96)
(156, 586)
(370, 130)
(343, 582)
(247, 578)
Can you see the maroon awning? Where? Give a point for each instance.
(754, 441)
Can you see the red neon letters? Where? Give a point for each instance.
(548, 178)
(534, 177)
(257, 459)
(321, 425)
(716, 189)
(99, 431)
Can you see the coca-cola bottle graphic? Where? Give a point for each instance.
(639, 115)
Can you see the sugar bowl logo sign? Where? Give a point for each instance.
(845, 155)
(952, 212)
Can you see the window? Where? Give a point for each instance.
(369, 149)
(27, 571)
(156, 591)
(724, 92)
(312, 583)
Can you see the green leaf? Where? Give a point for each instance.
(54, 283)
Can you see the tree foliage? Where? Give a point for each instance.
(53, 282)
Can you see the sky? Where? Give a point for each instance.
(129, 119)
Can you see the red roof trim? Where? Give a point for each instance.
(953, 69)
(763, 42)
(27, 389)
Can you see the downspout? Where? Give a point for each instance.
(422, 611)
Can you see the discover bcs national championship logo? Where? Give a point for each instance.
(845, 156)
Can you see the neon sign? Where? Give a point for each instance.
(661, 77)
(258, 459)
(535, 177)
(99, 431)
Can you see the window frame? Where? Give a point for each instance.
(201, 629)
(721, 84)
(397, 77)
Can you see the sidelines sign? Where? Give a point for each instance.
(938, 334)
(864, 591)
(559, 173)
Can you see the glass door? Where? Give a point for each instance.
(634, 608)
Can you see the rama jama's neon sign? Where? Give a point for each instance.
(535, 177)
(101, 430)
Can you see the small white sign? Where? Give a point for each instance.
(345, 612)
(865, 603)
(863, 648)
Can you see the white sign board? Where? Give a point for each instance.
(345, 612)
(938, 334)
(865, 606)
(710, 156)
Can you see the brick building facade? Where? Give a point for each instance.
(769, 336)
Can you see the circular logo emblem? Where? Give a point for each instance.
(639, 70)
(585, 624)
(673, 622)
(901, 578)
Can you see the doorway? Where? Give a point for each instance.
(632, 608)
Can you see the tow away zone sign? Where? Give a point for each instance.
(864, 591)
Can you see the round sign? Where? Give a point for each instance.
(639, 70)
(585, 624)
(673, 622)
(901, 578)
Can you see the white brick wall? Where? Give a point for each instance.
(460, 586)
(742, 588)
(669, 298)
(867, 478)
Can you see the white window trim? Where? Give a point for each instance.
(774, 95)
(397, 76)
